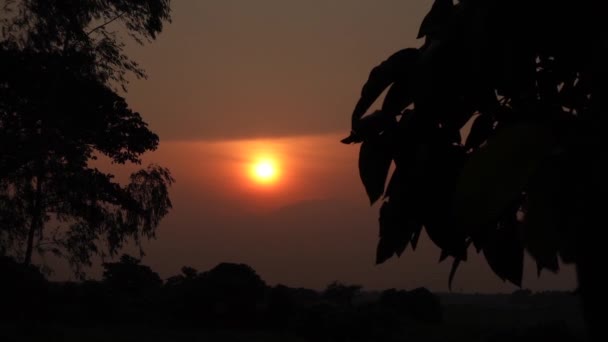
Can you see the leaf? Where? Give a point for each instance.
(444, 255)
(436, 181)
(436, 18)
(456, 113)
(352, 138)
(480, 236)
(572, 96)
(540, 226)
(504, 253)
(449, 238)
(374, 162)
(455, 264)
(415, 237)
(384, 251)
(496, 175)
(453, 270)
(373, 125)
(403, 189)
(396, 229)
(482, 128)
(397, 186)
(396, 67)
(398, 97)
(551, 264)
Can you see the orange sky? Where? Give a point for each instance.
(231, 80)
(312, 227)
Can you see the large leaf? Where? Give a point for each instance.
(375, 124)
(397, 67)
(540, 233)
(393, 225)
(453, 270)
(450, 239)
(437, 17)
(374, 162)
(398, 97)
(481, 130)
(456, 114)
(416, 237)
(496, 175)
(504, 252)
(384, 251)
(397, 228)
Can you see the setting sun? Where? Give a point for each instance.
(265, 171)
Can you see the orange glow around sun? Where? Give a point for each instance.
(264, 171)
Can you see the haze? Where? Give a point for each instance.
(231, 78)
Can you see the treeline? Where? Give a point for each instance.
(227, 297)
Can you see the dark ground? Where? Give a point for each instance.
(232, 303)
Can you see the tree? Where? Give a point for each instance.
(341, 294)
(419, 303)
(129, 277)
(227, 296)
(188, 274)
(59, 111)
(531, 77)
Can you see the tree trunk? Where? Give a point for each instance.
(30, 243)
(36, 222)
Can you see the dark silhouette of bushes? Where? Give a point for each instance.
(341, 294)
(281, 306)
(233, 298)
(128, 277)
(23, 291)
(227, 296)
(419, 304)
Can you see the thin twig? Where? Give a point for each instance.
(106, 23)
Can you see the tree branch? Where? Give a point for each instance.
(106, 23)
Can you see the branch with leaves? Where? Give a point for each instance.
(507, 187)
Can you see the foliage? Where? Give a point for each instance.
(131, 304)
(85, 27)
(227, 296)
(234, 284)
(22, 290)
(527, 75)
(419, 303)
(340, 293)
(59, 112)
(128, 276)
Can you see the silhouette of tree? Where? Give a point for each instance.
(531, 77)
(23, 291)
(129, 277)
(227, 296)
(419, 304)
(341, 294)
(188, 274)
(280, 307)
(59, 112)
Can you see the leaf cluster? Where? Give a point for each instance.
(522, 78)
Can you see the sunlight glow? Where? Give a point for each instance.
(265, 171)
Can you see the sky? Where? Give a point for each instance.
(235, 82)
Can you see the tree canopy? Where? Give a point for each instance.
(529, 76)
(62, 62)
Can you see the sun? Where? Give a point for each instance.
(265, 171)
